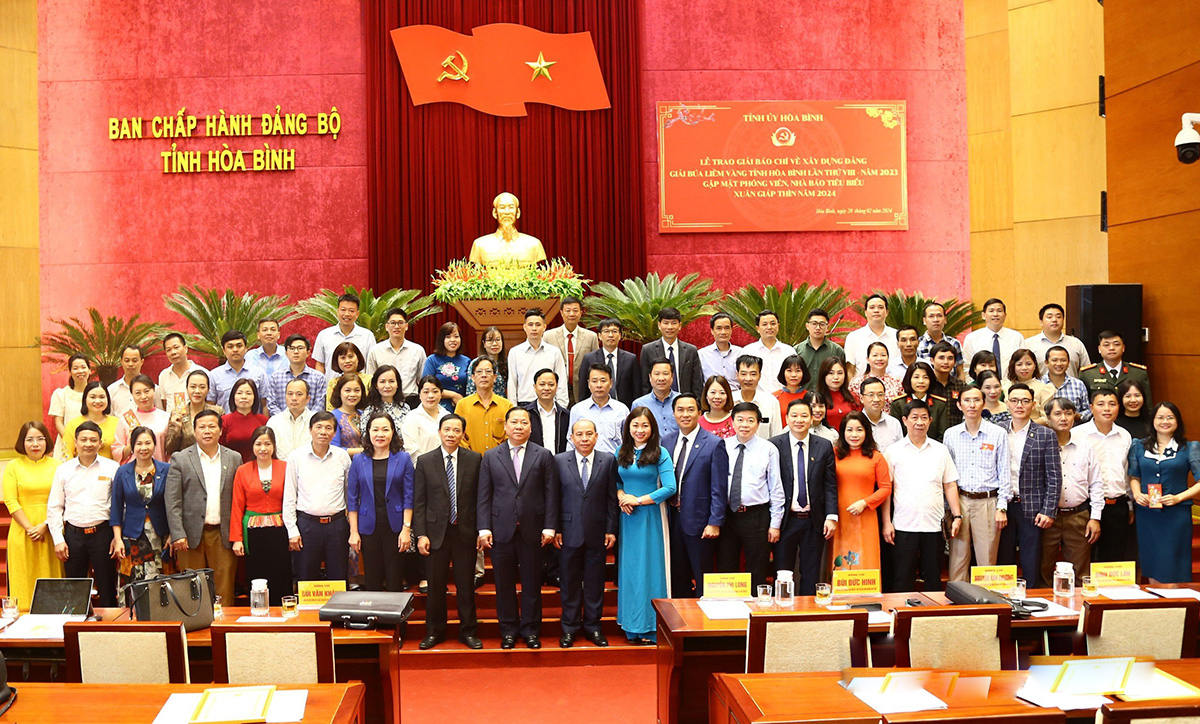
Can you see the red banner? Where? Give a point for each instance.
(782, 166)
(500, 67)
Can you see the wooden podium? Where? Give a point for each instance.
(507, 314)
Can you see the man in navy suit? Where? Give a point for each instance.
(588, 531)
(683, 357)
(806, 464)
(627, 375)
(548, 425)
(518, 515)
(698, 511)
(1034, 504)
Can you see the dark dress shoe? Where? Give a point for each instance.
(553, 581)
(423, 589)
(429, 642)
(478, 582)
(471, 642)
(566, 640)
(508, 642)
(639, 641)
(597, 638)
(533, 642)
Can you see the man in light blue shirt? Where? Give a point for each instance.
(297, 352)
(606, 413)
(233, 344)
(660, 397)
(720, 357)
(267, 356)
(755, 498)
(980, 452)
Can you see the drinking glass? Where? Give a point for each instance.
(290, 604)
(765, 594)
(218, 612)
(1018, 590)
(8, 607)
(1090, 589)
(824, 594)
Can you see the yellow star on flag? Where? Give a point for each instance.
(541, 66)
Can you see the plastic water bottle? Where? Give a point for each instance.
(259, 597)
(1064, 579)
(785, 591)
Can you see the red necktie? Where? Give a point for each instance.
(571, 358)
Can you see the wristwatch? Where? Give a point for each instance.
(956, 517)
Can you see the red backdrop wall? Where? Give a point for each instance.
(117, 233)
(913, 50)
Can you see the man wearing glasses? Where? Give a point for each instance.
(406, 356)
(296, 348)
(885, 429)
(816, 348)
(1037, 477)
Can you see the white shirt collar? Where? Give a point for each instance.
(591, 458)
(802, 440)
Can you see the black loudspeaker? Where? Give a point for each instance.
(1093, 308)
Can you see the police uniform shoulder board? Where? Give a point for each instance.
(1135, 364)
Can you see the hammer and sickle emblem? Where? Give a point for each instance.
(454, 72)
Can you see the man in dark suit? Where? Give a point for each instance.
(588, 530)
(199, 499)
(548, 425)
(518, 515)
(697, 512)
(445, 495)
(544, 410)
(684, 357)
(627, 377)
(1034, 503)
(810, 517)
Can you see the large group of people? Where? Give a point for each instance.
(811, 457)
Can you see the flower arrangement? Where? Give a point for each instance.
(463, 280)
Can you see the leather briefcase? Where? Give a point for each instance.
(969, 594)
(367, 609)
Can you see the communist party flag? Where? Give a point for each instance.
(500, 67)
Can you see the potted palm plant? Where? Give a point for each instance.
(100, 339)
(791, 305)
(371, 308)
(636, 302)
(213, 312)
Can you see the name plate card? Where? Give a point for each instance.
(314, 594)
(865, 582)
(1111, 575)
(1000, 579)
(727, 585)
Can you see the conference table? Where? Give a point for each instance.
(368, 655)
(40, 703)
(691, 646)
(819, 697)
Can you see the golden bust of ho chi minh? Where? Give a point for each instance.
(506, 244)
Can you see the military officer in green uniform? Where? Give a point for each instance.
(1112, 369)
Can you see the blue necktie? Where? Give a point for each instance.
(735, 487)
(996, 347)
(583, 475)
(801, 475)
(453, 491)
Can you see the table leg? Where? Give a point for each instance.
(669, 659)
(389, 680)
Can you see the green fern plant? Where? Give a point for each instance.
(637, 301)
(213, 312)
(906, 308)
(791, 304)
(323, 305)
(100, 339)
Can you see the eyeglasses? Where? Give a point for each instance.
(396, 323)
(297, 348)
(874, 395)
(1020, 401)
(818, 325)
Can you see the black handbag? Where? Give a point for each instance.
(970, 594)
(187, 596)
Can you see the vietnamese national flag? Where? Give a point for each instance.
(499, 77)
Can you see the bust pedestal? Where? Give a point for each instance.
(507, 314)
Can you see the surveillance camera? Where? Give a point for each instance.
(1187, 141)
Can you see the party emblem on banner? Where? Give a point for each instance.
(435, 63)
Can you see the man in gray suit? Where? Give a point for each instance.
(199, 496)
(574, 342)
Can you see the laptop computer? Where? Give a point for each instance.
(62, 596)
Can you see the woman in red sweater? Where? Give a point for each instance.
(257, 530)
(238, 425)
